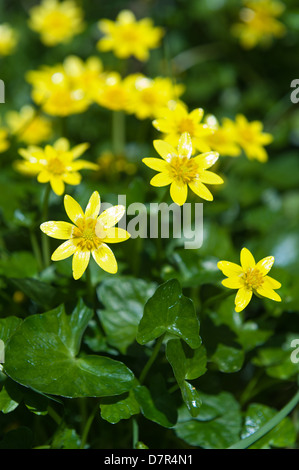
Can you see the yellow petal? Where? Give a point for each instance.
(93, 207)
(164, 149)
(155, 163)
(229, 269)
(265, 264)
(205, 160)
(196, 115)
(247, 259)
(242, 299)
(72, 178)
(265, 291)
(105, 258)
(116, 235)
(65, 250)
(185, 145)
(271, 283)
(43, 177)
(57, 185)
(209, 177)
(79, 150)
(80, 263)
(178, 193)
(62, 145)
(201, 190)
(59, 230)
(72, 208)
(234, 282)
(111, 216)
(161, 179)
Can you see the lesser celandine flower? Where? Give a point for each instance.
(249, 278)
(4, 142)
(57, 164)
(60, 90)
(180, 170)
(113, 92)
(176, 120)
(86, 76)
(29, 126)
(148, 96)
(259, 23)
(56, 22)
(8, 39)
(128, 37)
(250, 137)
(90, 233)
(222, 138)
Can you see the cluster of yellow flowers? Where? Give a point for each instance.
(258, 23)
(8, 39)
(191, 142)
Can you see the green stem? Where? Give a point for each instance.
(55, 416)
(88, 426)
(36, 249)
(90, 290)
(152, 359)
(45, 238)
(118, 132)
(135, 433)
(248, 441)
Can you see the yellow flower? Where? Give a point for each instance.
(180, 170)
(113, 93)
(87, 76)
(56, 22)
(177, 120)
(127, 37)
(29, 126)
(258, 23)
(4, 143)
(58, 90)
(89, 234)
(56, 164)
(250, 278)
(250, 137)
(113, 166)
(222, 138)
(8, 39)
(147, 97)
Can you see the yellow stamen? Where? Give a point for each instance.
(183, 169)
(253, 278)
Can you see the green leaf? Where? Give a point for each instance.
(66, 438)
(168, 310)
(8, 326)
(10, 396)
(189, 364)
(283, 435)
(18, 264)
(217, 426)
(117, 408)
(42, 355)
(40, 292)
(21, 438)
(154, 408)
(124, 299)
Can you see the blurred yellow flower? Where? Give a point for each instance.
(56, 22)
(176, 120)
(250, 278)
(250, 137)
(180, 170)
(148, 96)
(4, 143)
(60, 90)
(87, 76)
(258, 23)
(8, 39)
(112, 166)
(128, 37)
(56, 164)
(222, 137)
(113, 93)
(89, 234)
(28, 126)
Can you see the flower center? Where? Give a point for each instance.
(183, 169)
(253, 278)
(56, 166)
(86, 234)
(186, 125)
(129, 34)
